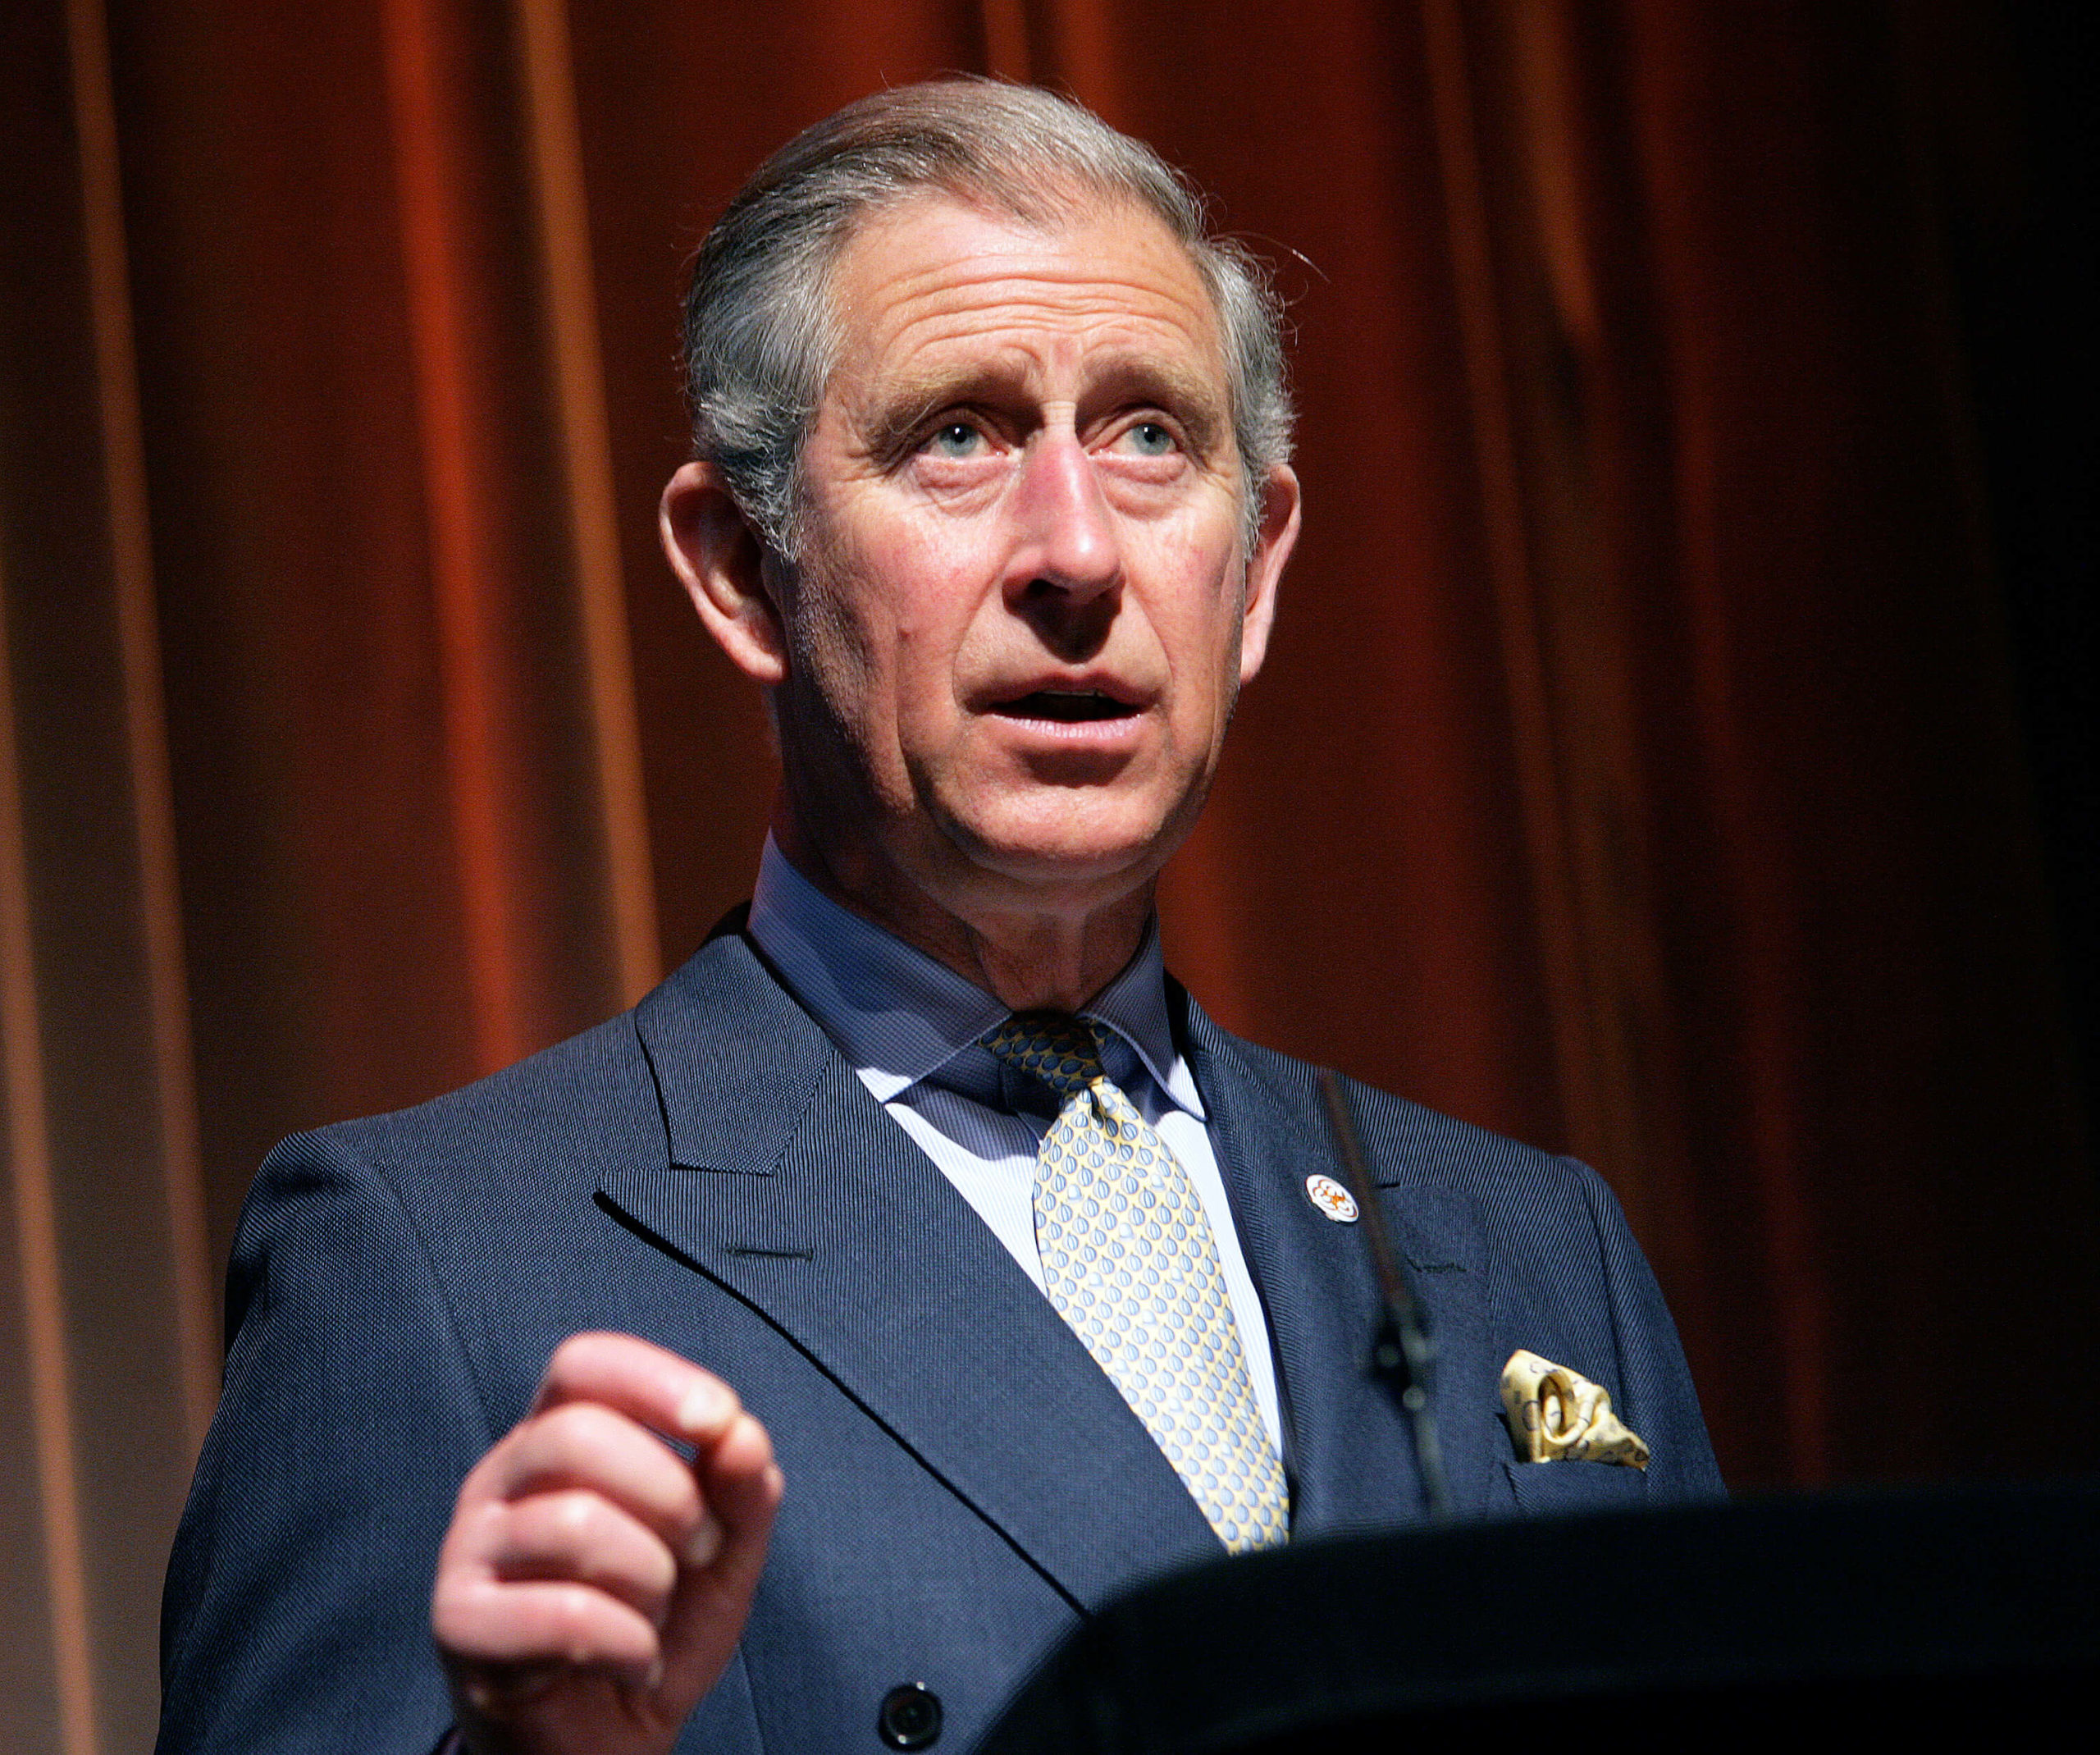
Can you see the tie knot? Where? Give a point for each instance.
(1055, 1047)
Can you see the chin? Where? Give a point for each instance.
(1086, 855)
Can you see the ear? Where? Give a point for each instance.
(720, 561)
(1272, 546)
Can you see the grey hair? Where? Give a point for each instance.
(760, 338)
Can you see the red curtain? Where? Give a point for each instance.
(1635, 770)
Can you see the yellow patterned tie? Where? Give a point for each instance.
(1129, 1260)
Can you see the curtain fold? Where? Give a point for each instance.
(1638, 768)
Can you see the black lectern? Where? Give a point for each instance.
(1939, 1615)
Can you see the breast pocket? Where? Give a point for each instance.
(1546, 1489)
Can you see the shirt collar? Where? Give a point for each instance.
(897, 1016)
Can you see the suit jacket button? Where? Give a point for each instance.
(911, 1717)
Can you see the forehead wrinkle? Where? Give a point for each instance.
(997, 282)
(1034, 278)
(1044, 330)
(1032, 248)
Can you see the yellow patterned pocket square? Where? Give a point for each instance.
(1552, 1412)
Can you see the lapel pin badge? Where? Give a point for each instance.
(1331, 1199)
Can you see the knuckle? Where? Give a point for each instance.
(564, 1418)
(551, 1535)
(575, 1357)
(476, 1526)
(459, 1611)
(565, 1360)
(584, 1625)
(753, 1434)
(581, 1345)
(484, 1480)
(447, 1608)
(568, 1439)
(562, 1611)
(683, 1504)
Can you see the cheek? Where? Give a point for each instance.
(883, 635)
(928, 595)
(1199, 621)
(834, 647)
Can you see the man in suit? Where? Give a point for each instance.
(919, 1266)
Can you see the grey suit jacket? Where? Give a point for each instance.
(964, 1482)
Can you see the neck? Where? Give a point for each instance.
(1029, 957)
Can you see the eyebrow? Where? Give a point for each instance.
(900, 409)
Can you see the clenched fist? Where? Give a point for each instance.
(594, 1583)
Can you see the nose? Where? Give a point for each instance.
(1067, 534)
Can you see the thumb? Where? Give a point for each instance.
(742, 1487)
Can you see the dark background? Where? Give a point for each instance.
(1677, 749)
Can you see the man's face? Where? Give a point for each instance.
(1024, 607)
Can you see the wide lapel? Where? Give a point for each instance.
(1349, 1455)
(786, 1183)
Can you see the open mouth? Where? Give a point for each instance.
(1070, 709)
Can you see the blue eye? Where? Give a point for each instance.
(1152, 438)
(956, 439)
